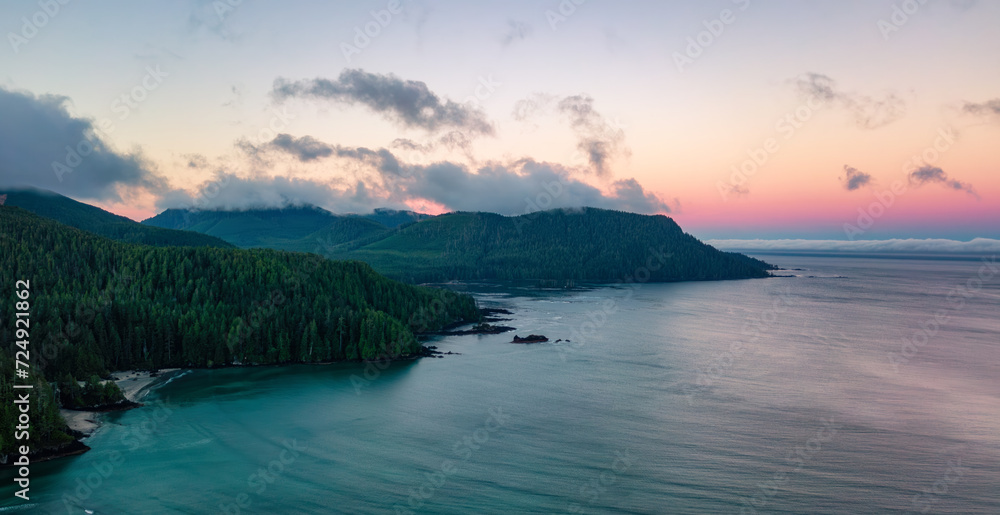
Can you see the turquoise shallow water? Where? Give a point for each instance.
(786, 395)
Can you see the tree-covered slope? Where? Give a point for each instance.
(394, 218)
(98, 221)
(184, 306)
(586, 245)
(98, 305)
(301, 229)
(583, 245)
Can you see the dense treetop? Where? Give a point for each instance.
(586, 245)
(99, 305)
(98, 221)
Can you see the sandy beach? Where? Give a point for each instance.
(134, 385)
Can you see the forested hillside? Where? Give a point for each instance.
(98, 221)
(98, 305)
(299, 229)
(559, 246)
(587, 245)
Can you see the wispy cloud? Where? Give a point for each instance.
(516, 31)
(406, 102)
(598, 139)
(210, 16)
(987, 108)
(934, 175)
(868, 112)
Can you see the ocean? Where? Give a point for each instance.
(855, 385)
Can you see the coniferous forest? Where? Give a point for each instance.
(99, 305)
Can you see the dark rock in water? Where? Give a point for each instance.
(531, 338)
(482, 328)
(494, 311)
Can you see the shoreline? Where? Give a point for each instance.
(134, 385)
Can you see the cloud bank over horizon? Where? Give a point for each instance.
(977, 245)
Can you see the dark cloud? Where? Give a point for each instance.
(382, 160)
(409, 144)
(509, 189)
(854, 178)
(523, 186)
(868, 112)
(934, 175)
(516, 31)
(988, 108)
(409, 103)
(43, 146)
(500, 188)
(233, 193)
(305, 148)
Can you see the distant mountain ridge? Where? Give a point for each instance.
(298, 228)
(586, 245)
(98, 221)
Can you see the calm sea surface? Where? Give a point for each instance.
(857, 386)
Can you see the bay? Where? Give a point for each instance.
(856, 386)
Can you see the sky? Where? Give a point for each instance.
(741, 119)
